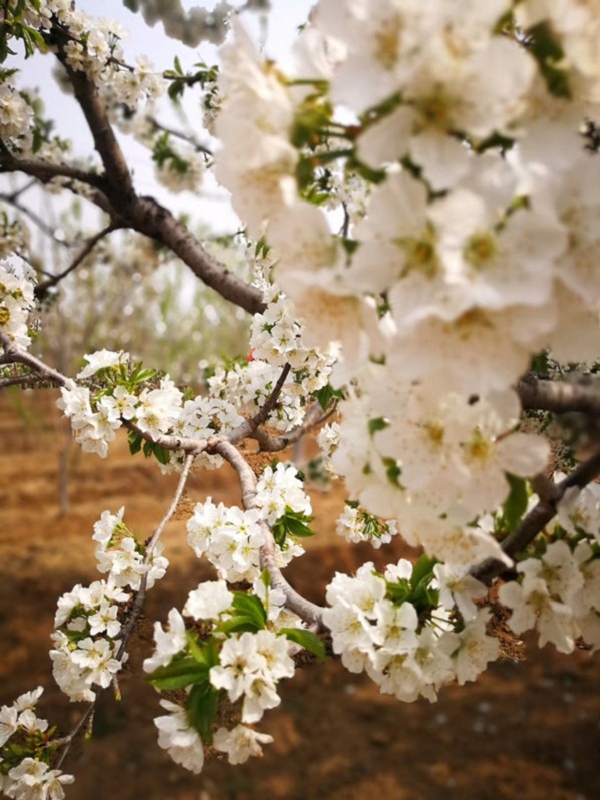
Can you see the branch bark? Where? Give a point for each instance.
(559, 396)
(144, 214)
(537, 519)
(307, 611)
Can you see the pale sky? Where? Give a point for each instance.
(214, 209)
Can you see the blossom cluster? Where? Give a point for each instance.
(87, 642)
(26, 747)
(558, 591)
(474, 248)
(276, 339)
(357, 525)
(16, 301)
(14, 236)
(93, 47)
(409, 639)
(84, 45)
(231, 537)
(124, 393)
(119, 554)
(15, 115)
(237, 655)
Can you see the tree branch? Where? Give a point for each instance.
(147, 216)
(537, 519)
(249, 426)
(26, 381)
(45, 171)
(180, 135)
(273, 444)
(38, 221)
(116, 171)
(307, 611)
(559, 396)
(42, 289)
(15, 355)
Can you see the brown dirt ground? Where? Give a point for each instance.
(529, 730)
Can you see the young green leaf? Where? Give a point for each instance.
(202, 707)
(177, 674)
(306, 639)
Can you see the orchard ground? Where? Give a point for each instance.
(527, 730)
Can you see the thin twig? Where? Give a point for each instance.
(41, 224)
(136, 610)
(26, 381)
(249, 426)
(141, 594)
(269, 443)
(21, 190)
(68, 740)
(42, 289)
(180, 135)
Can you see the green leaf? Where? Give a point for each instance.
(398, 591)
(292, 523)
(265, 579)
(541, 364)
(195, 648)
(202, 707)
(249, 614)
(548, 52)
(298, 527)
(178, 674)
(393, 471)
(178, 66)
(135, 442)
(206, 654)
(162, 456)
(516, 503)
(422, 571)
(325, 394)
(309, 641)
(148, 448)
(250, 605)
(240, 624)
(378, 424)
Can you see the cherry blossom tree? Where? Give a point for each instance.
(418, 196)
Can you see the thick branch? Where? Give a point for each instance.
(559, 396)
(45, 171)
(144, 214)
(147, 216)
(189, 446)
(116, 171)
